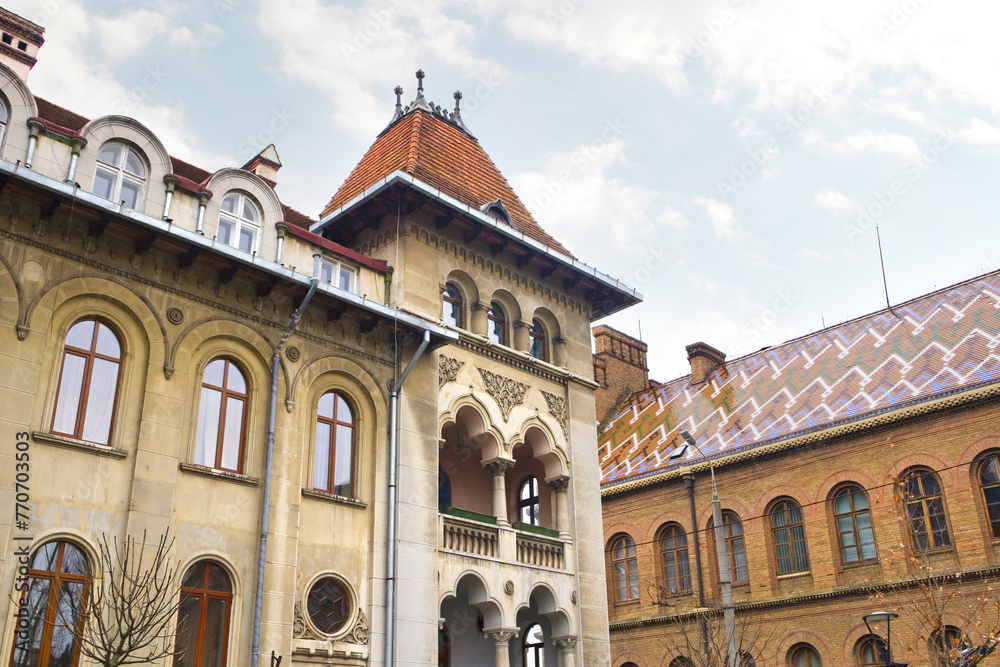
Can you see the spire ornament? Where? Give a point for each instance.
(399, 104)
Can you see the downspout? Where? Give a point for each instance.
(689, 485)
(390, 568)
(272, 411)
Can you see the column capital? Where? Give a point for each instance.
(567, 643)
(559, 483)
(501, 636)
(498, 466)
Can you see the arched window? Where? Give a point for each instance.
(625, 569)
(239, 221)
(333, 471)
(88, 383)
(737, 547)
(534, 647)
(989, 482)
(4, 118)
(539, 347)
(805, 656)
(681, 661)
(872, 652)
(854, 525)
(527, 501)
(497, 324)
(222, 417)
(56, 594)
(203, 617)
(452, 302)
(944, 643)
(120, 174)
(922, 497)
(674, 554)
(744, 659)
(789, 536)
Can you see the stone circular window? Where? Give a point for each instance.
(329, 605)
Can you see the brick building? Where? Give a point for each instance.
(820, 447)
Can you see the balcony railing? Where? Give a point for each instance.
(472, 537)
(540, 551)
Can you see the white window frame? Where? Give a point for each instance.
(120, 174)
(239, 223)
(330, 268)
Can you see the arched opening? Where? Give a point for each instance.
(538, 624)
(467, 444)
(466, 616)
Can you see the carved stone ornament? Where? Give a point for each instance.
(499, 466)
(506, 392)
(175, 315)
(501, 637)
(572, 597)
(557, 408)
(359, 634)
(566, 643)
(508, 587)
(447, 369)
(292, 353)
(300, 628)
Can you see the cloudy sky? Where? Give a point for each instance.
(729, 158)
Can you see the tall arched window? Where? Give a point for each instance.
(239, 221)
(534, 647)
(943, 643)
(681, 661)
(789, 536)
(222, 417)
(922, 497)
(4, 119)
(854, 525)
(745, 659)
(989, 482)
(56, 594)
(674, 555)
(805, 656)
(88, 383)
(452, 302)
(872, 652)
(538, 347)
(737, 547)
(528, 501)
(333, 471)
(120, 174)
(625, 569)
(497, 324)
(203, 617)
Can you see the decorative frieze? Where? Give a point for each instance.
(505, 391)
(558, 409)
(301, 629)
(359, 634)
(447, 369)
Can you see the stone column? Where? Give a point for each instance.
(477, 316)
(499, 468)
(519, 335)
(567, 648)
(560, 484)
(502, 639)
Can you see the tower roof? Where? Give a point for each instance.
(437, 149)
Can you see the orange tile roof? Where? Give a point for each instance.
(444, 157)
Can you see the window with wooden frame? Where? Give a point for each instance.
(528, 502)
(221, 434)
(625, 569)
(733, 529)
(496, 327)
(203, 617)
(54, 601)
(674, 557)
(120, 174)
(333, 471)
(538, 345)
(944, 644)
(989, 484)
(453, 306)
(924, 503)
(854, 525)
(872, 652)
(789, 534)
(805, 656)
(88, 382)
(534, 646)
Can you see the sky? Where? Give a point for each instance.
(730, 159)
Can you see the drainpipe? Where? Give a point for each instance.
(272, 411)
(34, 129)
(390, 569)
(689, 485)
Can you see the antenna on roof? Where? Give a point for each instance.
(882, 262)
(640, 331)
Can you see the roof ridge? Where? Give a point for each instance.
(411, 160)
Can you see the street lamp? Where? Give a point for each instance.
(883, 617)
(725, 568)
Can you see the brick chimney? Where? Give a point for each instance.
(619, 368)
(266, 165)
(20, 40)
(704, 359)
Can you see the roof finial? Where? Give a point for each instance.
(456, 117)
(399, 105)
(420, 82)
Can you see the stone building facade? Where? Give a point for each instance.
(851, 463)
(144, 302)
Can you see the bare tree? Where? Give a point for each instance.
(130, 610)
(700, 637)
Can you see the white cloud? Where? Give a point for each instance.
(867, 141)
(835, 202)
(671, 217)
(722, 217)
(980, 132)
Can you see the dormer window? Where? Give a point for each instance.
(337, 274)
(496, 210)
(239, 221)
(120, 175)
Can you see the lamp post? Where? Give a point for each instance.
(725, 568)
(883, 617)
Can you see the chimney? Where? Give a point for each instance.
(20, 40)
(266, 165)
(704, 359)
(619, 368)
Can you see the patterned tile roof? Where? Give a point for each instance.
(441, 155)
(937, 344)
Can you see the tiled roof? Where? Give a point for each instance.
(446, 158)
(293, 217)
(60, 116)
(937, 344)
